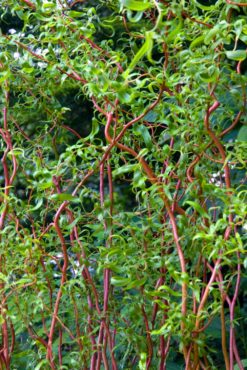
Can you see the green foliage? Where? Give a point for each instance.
(123, 184)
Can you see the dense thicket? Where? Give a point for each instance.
(123, 185)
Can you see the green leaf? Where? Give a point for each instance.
(136, 5)
(244, 363)
(136, 283)
(170, 291)
(75, 14)
(242, 134)
(63, 197)
(125, 169)
(17, 152)
(146, 48)
(136, 18)
(211, 34)
(3, 277)
(151, 116)
(210, 74)
(94, 131)
(27, 70)
(237, 55)
(42, 365)
(4, 75)
(142, 362)
(123, 96)
(120, 281)
(38, 205)
(198, 208)
(204, 7)
(198, 41)
(23, 281)
(143, 131)
(72, 224)
(49, 5)
(45, 185)
(173, 33)
(245, 263)
(41, 17)
(238, 26)
(203, 236)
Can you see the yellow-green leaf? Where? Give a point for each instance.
(136, 5)
(145, 49)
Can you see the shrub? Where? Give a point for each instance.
(123, 185)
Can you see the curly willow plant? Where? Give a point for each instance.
(123, 187)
